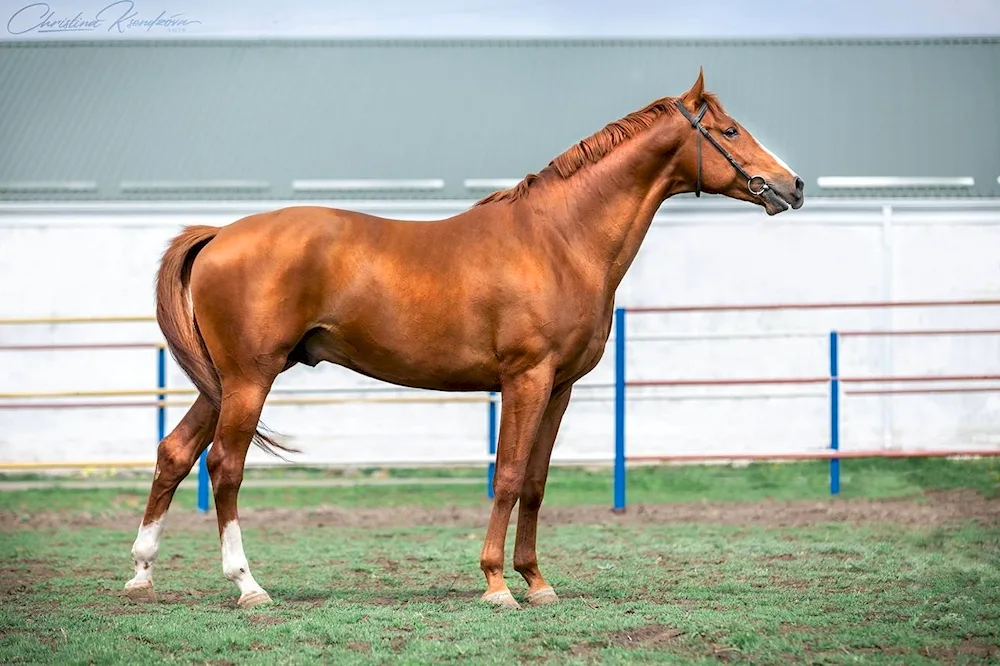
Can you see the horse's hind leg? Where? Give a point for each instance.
(242, 403)
(175, 456)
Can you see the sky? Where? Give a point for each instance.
(137, 19)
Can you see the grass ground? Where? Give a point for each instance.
(712, 563)
(567, 486)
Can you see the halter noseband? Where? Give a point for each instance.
(696, 124)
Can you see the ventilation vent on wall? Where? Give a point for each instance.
(490, 183)
(892, 182)
(48, 186)
(368, 185)
(153, 186)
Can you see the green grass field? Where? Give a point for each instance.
(711, 563)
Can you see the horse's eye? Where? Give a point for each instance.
(731, 133)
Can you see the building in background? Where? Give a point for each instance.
(451, 119)
(108, 147)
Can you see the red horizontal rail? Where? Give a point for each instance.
(920, 378)
(924, 391)
(750, 381)
(74, 405)
(113, 404)
(84, 345)
(157, 345)
(726, 382)
(813, 455)
(921, 332)
(848, 305)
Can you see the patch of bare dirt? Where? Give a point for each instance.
(959, 653)
(21, 577)
(939, 507)
(649, 636)
(784, 557)
(265, 620)
(967, 648)
(789, 628)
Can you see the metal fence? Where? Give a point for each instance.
(834, 381)
(164, 396)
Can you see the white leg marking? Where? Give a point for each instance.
(234, 562)
(144, 550)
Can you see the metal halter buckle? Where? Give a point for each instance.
(763, 185)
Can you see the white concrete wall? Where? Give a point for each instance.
(64, 261)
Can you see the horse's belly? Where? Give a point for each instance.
(427, 364)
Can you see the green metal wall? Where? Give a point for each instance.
(267, 113)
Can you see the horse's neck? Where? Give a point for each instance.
(611, 204)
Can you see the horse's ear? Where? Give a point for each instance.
(695, 96)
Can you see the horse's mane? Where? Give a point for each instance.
(599, 144)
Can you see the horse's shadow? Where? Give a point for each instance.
(458, 597)
(382, 596)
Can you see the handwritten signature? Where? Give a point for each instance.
(119, 17)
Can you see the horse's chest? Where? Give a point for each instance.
(586, 352)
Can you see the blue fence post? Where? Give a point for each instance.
(203, 482)
(492, 447)
(619, 410)
(161, 383)
(834, 412)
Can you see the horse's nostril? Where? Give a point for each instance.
(799, 185)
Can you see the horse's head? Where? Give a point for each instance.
(722, 157)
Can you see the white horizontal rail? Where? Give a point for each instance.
(711, 205)
(368, 185)
(883, 182)
(490, 183)
(153, 186)
(169, 215)
(48, 186)
(376, 184)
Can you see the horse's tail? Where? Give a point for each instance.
(175, 311)
(175, 314)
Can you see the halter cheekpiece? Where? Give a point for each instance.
(695, 121)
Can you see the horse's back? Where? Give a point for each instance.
(408, 292)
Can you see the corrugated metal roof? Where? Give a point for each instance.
(233, 119)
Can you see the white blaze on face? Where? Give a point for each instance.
(234, 562)
(144, 550)
(777, 159)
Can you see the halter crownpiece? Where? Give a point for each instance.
(695, 121)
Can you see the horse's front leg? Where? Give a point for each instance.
(532, 492)
(525, 396)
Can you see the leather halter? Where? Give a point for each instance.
(695, 121)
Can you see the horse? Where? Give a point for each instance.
(513, 295)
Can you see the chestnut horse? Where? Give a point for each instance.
(513, 295)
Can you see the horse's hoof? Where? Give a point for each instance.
(543, 597)
(253, 598)
(140, 593)
(501, 599)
